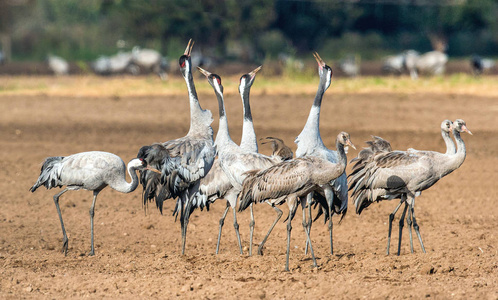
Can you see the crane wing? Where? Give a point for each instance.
(235, 166)
(385, 176)
(212, 186)
(277, 181)
(182, 162)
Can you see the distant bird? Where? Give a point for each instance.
(393, 64)
(58, 65)
(309, 143)
(410, 58)
(90, 171)
(480, 65)
(101, 66)
(350, 65)
(234, 161)
(291, 181)
(116, 64)
(431, 63)
(184, 161)
(278, 147)
(381, 174)
(216, 184)
(398, 64)
(150, 60)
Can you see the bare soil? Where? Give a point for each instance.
(138, 252)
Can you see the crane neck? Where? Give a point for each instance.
(450, 145)
(310, 135)
(248, 141)
(454, 161)
(341, 157)
(461, 150)
(124, 187)
(223, 134)
(200, 119)
(195, 107)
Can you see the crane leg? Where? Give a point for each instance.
(222, 221)
(251, 234)
(330, 231)
(391, 218)
(305, 227)
(308, 239)
(310, 221)
(65, 240)
(92, 214)
(184, 221)
(410, 223)
(279, 215)
(401, 224)
(309, 198)
(329, 195)
(416, 227)
(182, 225)
(289, 229)
(236, 226)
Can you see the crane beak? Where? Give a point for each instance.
(350, 144)
(190, 45)
(464, 128)
(253, 73)
(319, 60)
(204, 72)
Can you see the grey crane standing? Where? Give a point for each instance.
(385, 175)
(90, 171)
(58, 65)
(234, 161)
(291, 181)
(216, 183)
(479, 64)
(309, 143)
(183, 161)
(432, 63)
(149, 59)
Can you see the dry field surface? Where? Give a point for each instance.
(138, 252)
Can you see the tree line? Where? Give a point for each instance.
(247, 29)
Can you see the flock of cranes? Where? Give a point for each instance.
(198, 170)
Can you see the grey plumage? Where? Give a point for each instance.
(291, 181)
(233, 160)
(90, 171)
(480, 65)
(149, 60)
(216, 184)
(384, 175)
(431, 63)
(248, 141)
(58, 65)
(279, 148)
(310, 143)
(184, 161)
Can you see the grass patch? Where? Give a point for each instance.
(122, 86)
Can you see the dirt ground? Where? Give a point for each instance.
(138, 253)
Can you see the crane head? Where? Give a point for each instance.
(185, 58)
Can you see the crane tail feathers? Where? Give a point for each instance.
(49, 174)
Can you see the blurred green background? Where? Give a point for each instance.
(247, 30)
